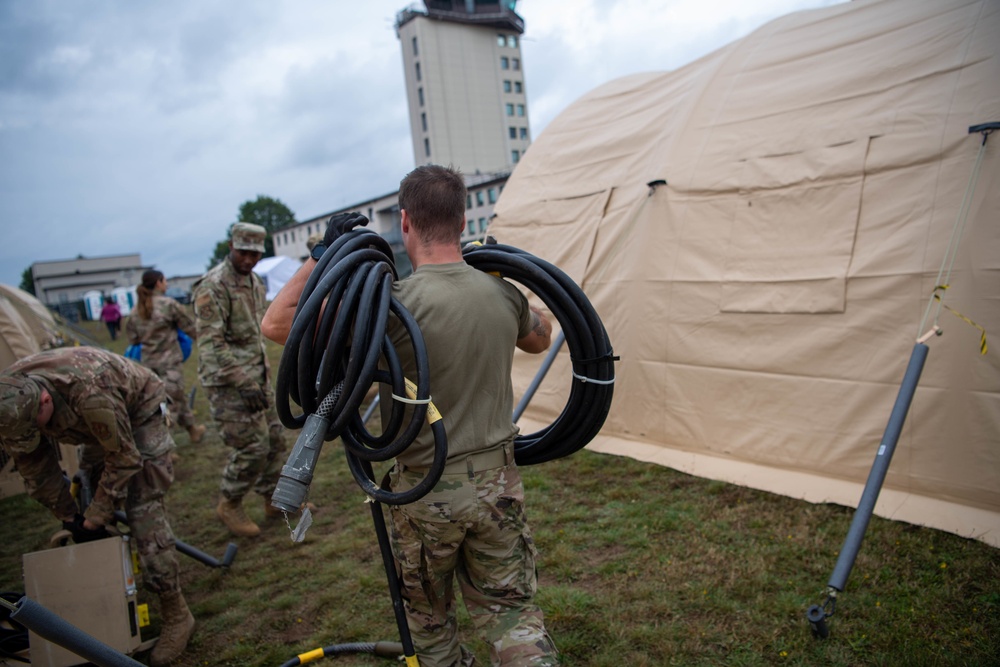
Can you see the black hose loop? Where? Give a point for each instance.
(592, 387)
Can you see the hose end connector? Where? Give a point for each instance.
(296, 475)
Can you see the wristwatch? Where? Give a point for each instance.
(317, 251)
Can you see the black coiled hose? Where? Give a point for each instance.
(331, 357)
(330, 361)
(589, 348)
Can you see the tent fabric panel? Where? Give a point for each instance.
(787, 111)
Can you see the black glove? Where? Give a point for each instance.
(81, 534)
(340, 224)
(254, 399)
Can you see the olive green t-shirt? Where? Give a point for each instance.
(470, 321)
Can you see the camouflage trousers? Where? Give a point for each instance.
(471, 526)
(148, 524)
(180, 411)
(257, 441)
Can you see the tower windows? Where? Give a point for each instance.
(416, 52)
(417, 67)
(423, 120)
(505, 62)
(506, 85)
(420, 96)
(427, 147)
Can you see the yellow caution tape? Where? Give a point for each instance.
(432, 412)
(982, 338)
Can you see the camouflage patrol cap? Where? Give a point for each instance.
(19, 402)
(247, 236)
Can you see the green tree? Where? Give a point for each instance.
(28, 281)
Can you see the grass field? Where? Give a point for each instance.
(639, 565)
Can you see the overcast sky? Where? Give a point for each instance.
(142, 126)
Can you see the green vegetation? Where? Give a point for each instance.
(270, 213)
(639, 565)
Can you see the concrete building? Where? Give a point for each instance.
(468, 109)
(465, 83)
(68, 280)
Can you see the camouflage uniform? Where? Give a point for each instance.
(115, 409)
(472, 525)
(228, 308)
(161, 352)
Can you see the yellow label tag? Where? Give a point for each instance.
(310, 656)
(143, 612)
(411, 661)
(432, 412)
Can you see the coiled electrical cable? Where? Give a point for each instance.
(590, 351)
(331, 359)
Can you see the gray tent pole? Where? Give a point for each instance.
(852, 543)
(540, 375)
(57, 630)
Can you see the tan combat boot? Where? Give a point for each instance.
(197, 432)
(271, 512)
(178, 626)
(232, 514)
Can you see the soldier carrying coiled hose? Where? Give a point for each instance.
(449, 331)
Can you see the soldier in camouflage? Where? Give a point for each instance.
(472, 525)
(233, 368)
(115, 409)
(154, 325)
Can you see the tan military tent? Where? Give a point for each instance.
(26, 326)
(765, 298)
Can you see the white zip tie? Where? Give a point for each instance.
(412, 401)
(583, 378)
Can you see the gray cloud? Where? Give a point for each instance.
(141, 127)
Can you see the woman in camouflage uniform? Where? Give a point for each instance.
(154, 324)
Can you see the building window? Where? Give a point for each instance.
(512, 41)
(470, 227)
(468, 201)
(513, 132)
(427, 146)
(479, 197)
(501, 40)
(524, 133)
(504, 62)
(518, 88)
(416, 52)
(520, 109)
(491, 195)
(506, 85)
(482, 224)
(515, 156)
(516, 63)
(423, 120)
(417, 67)
(510, 109)
(420, 96)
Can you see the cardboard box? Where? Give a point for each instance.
(90, 585)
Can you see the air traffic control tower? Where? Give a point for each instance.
(465, 83)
